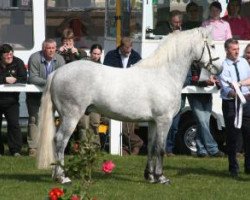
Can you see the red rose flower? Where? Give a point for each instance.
(75, 197)
(55, 193)
(108, 166)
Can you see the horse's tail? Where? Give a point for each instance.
(46, 128)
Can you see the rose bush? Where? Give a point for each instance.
(61, 194)
(81, 165)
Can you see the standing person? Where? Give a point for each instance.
(68, 50)
(176, 19)
(92, 120)
(41, 64)
(125, 56)
(201, 104)
(239, 25)
(247, 53)
(235, 68)
(12, 70)
(221, 29)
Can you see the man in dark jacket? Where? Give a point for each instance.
(124, 57)
(12, 70)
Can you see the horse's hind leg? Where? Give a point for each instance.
(149, 171)
(61, 140)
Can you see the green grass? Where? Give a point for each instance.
(192, 178)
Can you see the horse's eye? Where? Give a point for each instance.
(213, 46)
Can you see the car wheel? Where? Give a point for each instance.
(185, 139)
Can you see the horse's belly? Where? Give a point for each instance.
(126, 113)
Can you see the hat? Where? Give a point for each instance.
(216, 4)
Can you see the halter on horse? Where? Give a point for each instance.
(149, 91)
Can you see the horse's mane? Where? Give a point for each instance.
(171, 47)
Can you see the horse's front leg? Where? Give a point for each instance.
(149, 170)
(162, 128)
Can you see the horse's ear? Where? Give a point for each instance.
(209, 29)
(206, 32)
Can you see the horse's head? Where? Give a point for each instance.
(206, 52)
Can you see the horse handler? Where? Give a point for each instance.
(237, 117)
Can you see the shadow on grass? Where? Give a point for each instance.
(124, 177)
(43, 178)
(202, 171)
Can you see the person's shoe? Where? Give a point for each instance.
(125, 152)
(17, 154)
(32, 152)
(135, 151)
(247, 171)
(170, 154)
(234, 175)
(239, 155)
(219, 154)
(202, 155)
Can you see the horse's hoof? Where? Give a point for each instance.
(163, 180)
(66, 180)
(63, 180)
(149, 176)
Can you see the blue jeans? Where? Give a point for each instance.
(201, 105)
(170, 143)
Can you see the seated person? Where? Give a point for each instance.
(239, 25)
(221, 29)
(67, 49)
(165, 27)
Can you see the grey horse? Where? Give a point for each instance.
(149, 91)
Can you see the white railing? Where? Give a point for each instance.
(115, 126)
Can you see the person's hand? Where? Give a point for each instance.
(232, 94)
(74, 50)
(63, 48)
(247, 97)
(10, 80)
(209, 82)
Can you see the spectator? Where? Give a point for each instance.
(175, 25)
(92, 120)
(12, 71)
(247, 53)
(96, 53)
(41, 64)
(201, 104)
(235, 68)
(68, 50)
(221, 29)
(165, 27)
(78, 27)
(240, 26)
(193, 14)
(124, 57)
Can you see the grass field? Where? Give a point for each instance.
(192, 178)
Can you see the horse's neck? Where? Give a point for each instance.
(179, 66)
(178, 72)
